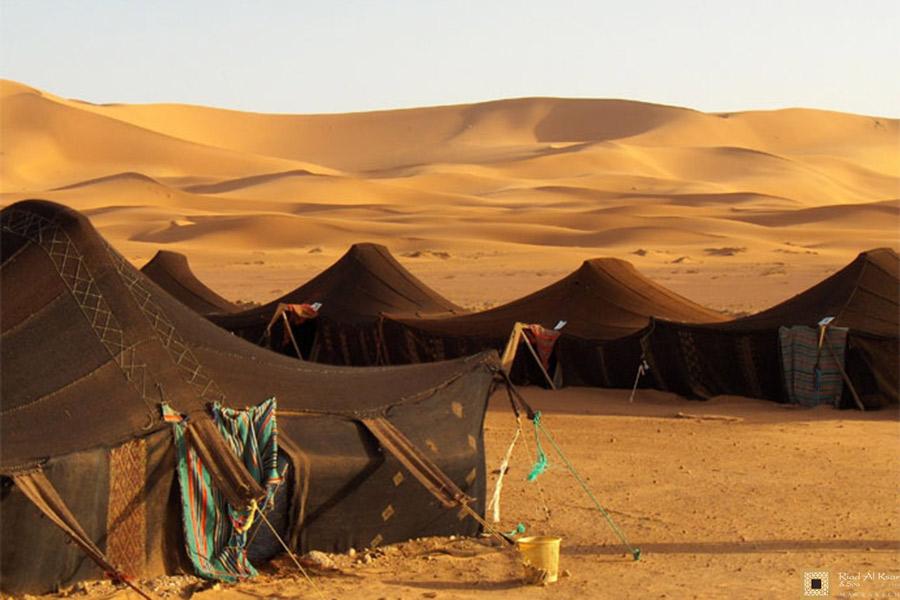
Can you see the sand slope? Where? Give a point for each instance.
(528, 188)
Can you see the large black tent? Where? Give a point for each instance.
(742, 357)
(364, 283)
(604, 303)
(171, 271)
(90, 349)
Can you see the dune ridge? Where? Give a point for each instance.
(505, 188)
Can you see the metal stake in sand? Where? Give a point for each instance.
(642, 368)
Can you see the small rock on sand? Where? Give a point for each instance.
(320, 559)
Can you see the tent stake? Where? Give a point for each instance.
(637, 378)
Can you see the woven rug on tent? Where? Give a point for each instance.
(812, 376)
(215, 532)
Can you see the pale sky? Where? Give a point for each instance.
(339, 56)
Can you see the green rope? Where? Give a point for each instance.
(542, 463)
(520, 528)
(635, 552)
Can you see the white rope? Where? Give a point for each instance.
(494, 504)
(292, 556)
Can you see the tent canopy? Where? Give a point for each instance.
(863, 296)
(353, 293)
(604, 299)
(364, 283)
(171, 272)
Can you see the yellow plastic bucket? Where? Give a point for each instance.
(540, 555)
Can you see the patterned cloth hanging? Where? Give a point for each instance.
(543, 340)
(812, 361)
(216, 532)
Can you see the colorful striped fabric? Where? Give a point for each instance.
(811, 375)
(215, 532)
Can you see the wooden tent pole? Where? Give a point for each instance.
(287, 327)
(538, 360)
(846, 377)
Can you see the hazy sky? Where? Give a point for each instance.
(334, 56)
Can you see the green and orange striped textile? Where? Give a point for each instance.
(215, 532)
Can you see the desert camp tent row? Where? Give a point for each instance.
(121, 406)
(602, 304)
(596, 327)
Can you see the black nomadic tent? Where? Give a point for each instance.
(171, 272)
(605, 302)
(353, 292)
(742, 357)
(90, 348)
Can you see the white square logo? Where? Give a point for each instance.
(815, 583)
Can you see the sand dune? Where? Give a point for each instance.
(487, 201)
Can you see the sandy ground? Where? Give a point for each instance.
(488, 202)
(730, 498)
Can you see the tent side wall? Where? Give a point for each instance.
(360, 496)
(348, 344)
(873, 366)
(702, 362)
(608, 364)
(333, 342)
(127, 498)
(407, 344)
(124, 498)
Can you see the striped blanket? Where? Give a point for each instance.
(812, 376)
(215, 532)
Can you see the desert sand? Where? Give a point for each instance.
(487, 202)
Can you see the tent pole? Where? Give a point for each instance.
(538, 360)
(287, 327)
(846, 377)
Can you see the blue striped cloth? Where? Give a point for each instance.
(811, 375)
(215, 532)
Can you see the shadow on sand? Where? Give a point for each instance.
(735, 547)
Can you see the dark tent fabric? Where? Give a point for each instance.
(90, 348)
(606, 299)
(741, 357)
(171, 272)
(364, 283)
